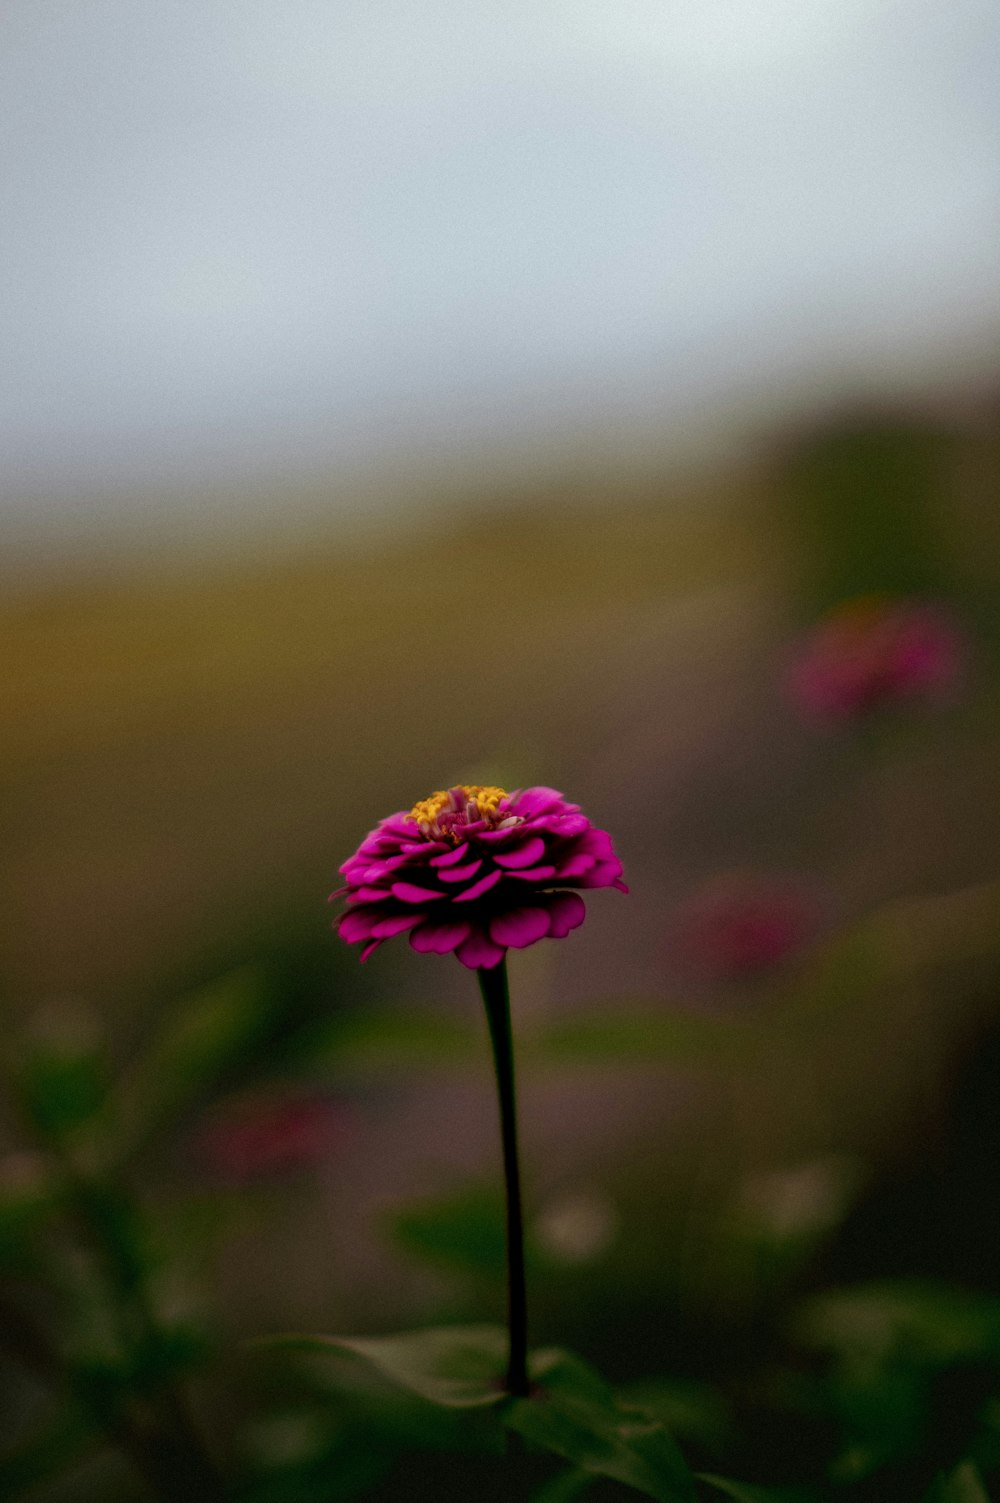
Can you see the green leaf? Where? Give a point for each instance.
(460, 1367)
(690, 1410)
(746, 1492)
(643, 1034)
(165, 1354)
(560, 1372)
(25, 1208)
(62, 1090)
(921, 1324)
(963, 1485)
(384, 1039)
(297, 1458)
(575, 1415)
(116, 1226)
(465, 1231)
(48, 1454)
(566, 1487)
(205, 1035)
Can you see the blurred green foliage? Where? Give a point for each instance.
(896, 1384)
(791, 1270)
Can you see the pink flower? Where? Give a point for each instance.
(476, 871)
(261, 1134)
(875, 651)
(739, 926)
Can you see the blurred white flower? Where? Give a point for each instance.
(578, 1227)
(801, 1202)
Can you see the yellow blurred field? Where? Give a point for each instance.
(184, 748)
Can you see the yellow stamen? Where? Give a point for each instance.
(428, 809)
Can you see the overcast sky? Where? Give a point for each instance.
(246, 237)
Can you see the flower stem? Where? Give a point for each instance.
(496, 997)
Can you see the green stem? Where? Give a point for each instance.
(496, 997)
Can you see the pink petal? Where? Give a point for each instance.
(534, 874)
(575, 866)
(598, 843)
(369, 894)
(369, 950)
(604, 874)
(478, 888)
(380, 869)
(522, 855)
(358, 925)
(520, 927)
(567, 910)
(440, 939)
(479, 952)
(409, 892)
(539, 801)
(398, 824)
(458, 853)
(567, 824)
(461, 873)
(396, 924)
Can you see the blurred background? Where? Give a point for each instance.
(599, 396)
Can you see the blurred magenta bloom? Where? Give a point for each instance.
(875, 651)
(740, 926)
(262, 1134)
(476, 871)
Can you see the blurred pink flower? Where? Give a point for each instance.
(739, 926)
(875, 651)
(476, 871)
(263, 1134)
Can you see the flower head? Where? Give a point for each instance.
(875, 651)
(263, 1134)
(739, 926)
(476, 871)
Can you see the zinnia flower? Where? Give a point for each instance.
(476, 871)
(740, 926)
(262, 1134)
(875, 651)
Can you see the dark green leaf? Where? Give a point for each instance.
(642, 1034)
(62, 1090)
(564, 1488)
(746, 1492)
(963, 1485)
(296, 1459)
(117, 1229)
(460, 1367)
(383, 1039)
(63, 1443)
(690, 1410)
(559, 1372)
(464, 1231)
(574, 1415)
(918, 1323)
(204, 1036)
(25, 1207)
(165, 1354)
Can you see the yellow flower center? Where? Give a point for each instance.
(429, 810)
